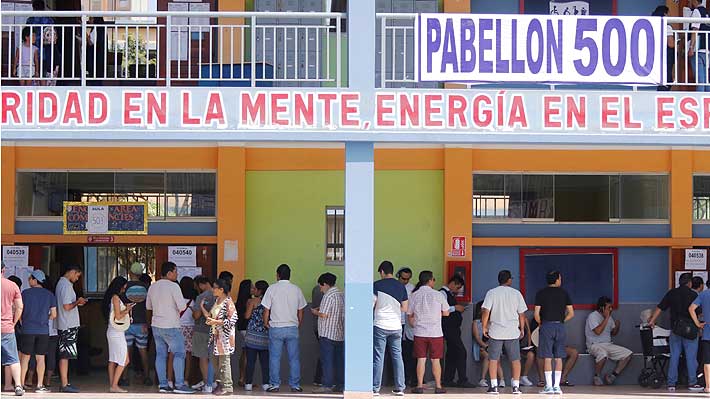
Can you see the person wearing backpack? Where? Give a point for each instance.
(699, 44)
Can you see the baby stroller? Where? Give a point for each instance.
(656, 354)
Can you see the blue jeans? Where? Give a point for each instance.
(278, 336)
(169, 340)
(701, 70)
(382, 339)
(679, 345)
(332, 355)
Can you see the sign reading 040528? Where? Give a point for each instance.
(105, 217)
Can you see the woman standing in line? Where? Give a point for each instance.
(246, 291)
(257, 338)
(119, 319)
(223, 319)
(187, 326)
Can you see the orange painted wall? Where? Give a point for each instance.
(231, 205)
(701, 161)
(7, 223)
(571, 160)
(458, 206)
(681, 188)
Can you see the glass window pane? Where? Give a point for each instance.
(335, 235)
(537, 198)
(582, 198)
(614, 197)
(496, 196)
(191, 194)
(148, 187)
(40, 193)
(91, 186)
(701, 197)
(644, 197)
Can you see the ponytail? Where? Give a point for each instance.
(424, 278)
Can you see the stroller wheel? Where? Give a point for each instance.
(646, 377)
(655, 382)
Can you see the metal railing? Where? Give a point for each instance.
(207, 48)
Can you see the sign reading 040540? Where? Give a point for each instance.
(111, 217)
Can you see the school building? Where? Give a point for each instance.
(614, 207)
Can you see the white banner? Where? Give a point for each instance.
(540, 48)
(98, 219)
(15, 256)
(183, 256)
(696, 259)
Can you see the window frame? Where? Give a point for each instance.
(699, 221)
(327, 245)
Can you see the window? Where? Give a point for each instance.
(90, 186)
(191, 194)
(334, 235)
(41, 193)
(103, 264)
(148, 187)
(701, 198)
(574, 198)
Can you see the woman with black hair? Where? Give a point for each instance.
(257, 338)
(222, 318)
(246, 291)
(187, 325)
(118, 316)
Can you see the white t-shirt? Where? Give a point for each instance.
(593, 321)
(505, 305)
(65, 294)
(165, 300)
(283, 300)
(186, 320)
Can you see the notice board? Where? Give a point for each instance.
(123, 217)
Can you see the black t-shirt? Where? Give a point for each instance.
(678, 300)
(553, 302)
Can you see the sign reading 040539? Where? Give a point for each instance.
(105, 217)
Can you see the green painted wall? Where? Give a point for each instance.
(285, 221)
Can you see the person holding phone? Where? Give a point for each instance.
(118, 316)
(598, 330)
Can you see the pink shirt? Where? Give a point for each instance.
(426, 305)
(10, 292)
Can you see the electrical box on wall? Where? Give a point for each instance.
(463, 269)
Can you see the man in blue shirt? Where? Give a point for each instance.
(703, 301)
(40, 310)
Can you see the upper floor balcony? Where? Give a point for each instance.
(250, 49)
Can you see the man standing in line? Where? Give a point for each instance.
(404, 275)
(283, 313)
(331, 330)
(678, 300)
(165, 301)
(391, 300)
(11, 312)
(451, 325)
(137, 333)
(553, 308)
(425, 311)
(316, 298)
(40, 307)
(68, 324)
(503, 323)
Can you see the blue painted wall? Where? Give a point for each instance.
(643, 272)
(154, 228)
(701, 230)
(495, 7)
(637, 7)
(571, 230)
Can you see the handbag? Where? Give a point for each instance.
(121, 324)
(685, 328)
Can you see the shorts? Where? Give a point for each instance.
(608, 351)
(496, 346)
(705, 350)
(434, 347)
(25, 71)
(200, 343)
(135, 334)
(552, 341)
(34, 344)
(9, 349)
(67, 343)
(187, 332)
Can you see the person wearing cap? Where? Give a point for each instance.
(11, 311)
(40, 310)
(137, 333)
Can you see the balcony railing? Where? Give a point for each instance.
(254, 49)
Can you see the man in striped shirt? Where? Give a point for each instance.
(331, 319)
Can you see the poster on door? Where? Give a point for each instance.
(15, 256)
(458, 246)
(183, 256)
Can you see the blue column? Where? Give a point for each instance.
(359, 255)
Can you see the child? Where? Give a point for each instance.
(480, 353)
(27, 58)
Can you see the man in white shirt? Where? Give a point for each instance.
(164, 300)
(503, 321)
(283, 313)
(68, 324)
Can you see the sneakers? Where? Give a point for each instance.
(184, 389)
(199, 385)
(598, 381)
(671, 388)
(375, 393)
(398, 393)
(492, 390)
(265, 387)
(247, 387)
(69, 388)
(525, 381)
(501, 384)
(207, 389)
(296, 389)
(42, 390)
(440, 390)
(609, 378)
(547, 391)
(323, 389)
(517, 391)
(483, 383)
(695, 388)
(165, 389)
(171, 384)
(557, 390)
(19, 391)
(272, 389)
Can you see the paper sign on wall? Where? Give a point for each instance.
(23, 273)
(183, 256)
(98, 219)
(696, 259)
(191, 272)
(15, 255)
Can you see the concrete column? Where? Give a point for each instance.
(231, 203)
(8, 194)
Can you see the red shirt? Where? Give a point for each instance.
(10, 292)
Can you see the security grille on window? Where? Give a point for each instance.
(701, 198)
(335, 235)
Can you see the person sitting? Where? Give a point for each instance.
(479, 349)
(598, 330)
